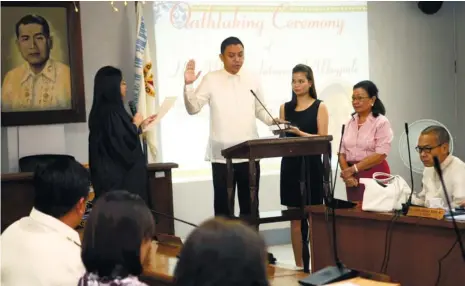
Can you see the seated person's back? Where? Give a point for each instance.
(222, 253)
(434, 142)
(43, 248)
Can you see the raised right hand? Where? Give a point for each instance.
(189, 73)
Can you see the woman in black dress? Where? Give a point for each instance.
(116, 160)
(307, 116)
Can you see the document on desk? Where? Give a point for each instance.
(457, 217)
(167, 104)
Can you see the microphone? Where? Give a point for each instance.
(167, 239)
(333, 187)
(406, 206)
(331, 201)
(275, 122)
(339, 272)
(437, 167)
(333, 206)
(133, 107)
(173, 218)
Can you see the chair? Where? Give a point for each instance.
(29, 163)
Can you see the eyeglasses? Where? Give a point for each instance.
(359, 98)
(426, 149)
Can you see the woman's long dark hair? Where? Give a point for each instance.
(309, 75)
(107, 92)
(117, 226)
(371, 89)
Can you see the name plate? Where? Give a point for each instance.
(426, 212)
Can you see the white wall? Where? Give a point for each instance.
(411, 61)
(460, 76)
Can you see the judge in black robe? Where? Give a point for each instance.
(116, 159)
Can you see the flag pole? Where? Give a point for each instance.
(144, 140)
(144, 147)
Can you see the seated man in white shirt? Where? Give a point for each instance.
(233, 113)
(434, 141)
(43, 249)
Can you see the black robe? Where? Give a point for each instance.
(116, 158)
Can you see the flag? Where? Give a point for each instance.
(144, 90)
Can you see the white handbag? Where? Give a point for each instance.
(384, 194)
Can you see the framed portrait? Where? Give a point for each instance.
(42, 71)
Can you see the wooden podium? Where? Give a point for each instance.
(279, 147)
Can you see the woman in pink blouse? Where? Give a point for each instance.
(366, 141)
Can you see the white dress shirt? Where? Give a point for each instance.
(233, 109)
(23, 90)
(432, 195)
(40, 250)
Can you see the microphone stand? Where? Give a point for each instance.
(406, 206)
(166, 239)
(339, 272)
(281, 131)
(437, 166)
(271, 258)
(173, 218)
(331, 202)
(333, 205)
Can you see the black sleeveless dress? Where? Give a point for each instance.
(306, 121)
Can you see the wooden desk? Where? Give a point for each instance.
(416, 245)
(164, 260)
(17, 195)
